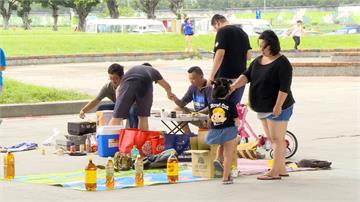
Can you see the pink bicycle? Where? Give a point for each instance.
(245, 131)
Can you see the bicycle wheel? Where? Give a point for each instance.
(291, 145)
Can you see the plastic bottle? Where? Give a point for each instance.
(134, 153)
(172, 169)
(110, 182)
(90, 176)
(9, 166)
(88, 144)
(139, 172)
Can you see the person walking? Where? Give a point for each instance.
(296, 32)
(270, 77)
(189, 32)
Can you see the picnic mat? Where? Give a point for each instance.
(260, 166)
(123, 179)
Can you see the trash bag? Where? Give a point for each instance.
(158, 160)
(313, 163)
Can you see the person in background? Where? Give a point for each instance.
(296, 32)
(2, 68)
(270, 77)
(189, 32)
(115, 72)
(199, 93)
(136, 86)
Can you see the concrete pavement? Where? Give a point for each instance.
(326, 123)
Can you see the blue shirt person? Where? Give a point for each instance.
(198, 93)
(189, 32)
(2, 67)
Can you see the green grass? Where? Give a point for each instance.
(18, 92)
(43, 41)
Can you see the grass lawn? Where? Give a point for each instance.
(17, 92)
(43, 41)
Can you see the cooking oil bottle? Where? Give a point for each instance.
(139, 172)
(172, 169)
(110, 183)
(90, 176)
(9, 166)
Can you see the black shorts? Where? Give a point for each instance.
(130, 92)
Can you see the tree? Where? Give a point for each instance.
(54, 6)
(82, 8)
(23, 12)
(6, 7)
(113, 8)
(176, 6)
(149, 7)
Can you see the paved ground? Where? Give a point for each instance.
(326, 122)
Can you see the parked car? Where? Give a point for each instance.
(352, 29)
(281, 32)
(252, 26)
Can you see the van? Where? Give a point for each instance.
(125, 25)
(252, 26)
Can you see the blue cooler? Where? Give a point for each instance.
(108, 140)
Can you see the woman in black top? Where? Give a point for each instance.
(270, 78)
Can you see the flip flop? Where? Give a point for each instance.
(284, 175)
(266, 177)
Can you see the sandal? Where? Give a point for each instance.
(228, 181)
(267, 177)
(284, 175)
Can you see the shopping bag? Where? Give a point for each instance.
(145, 143)
(157, 145)
(142, 139)
(127, 139)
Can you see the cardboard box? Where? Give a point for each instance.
(202, 133)
(202, 162)
(203, 158)
(194, 143)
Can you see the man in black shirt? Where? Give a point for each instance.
(136, 87)
(232, 49)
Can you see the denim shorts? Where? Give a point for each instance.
(284, 116)
(220, 136)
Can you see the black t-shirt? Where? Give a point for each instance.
(236, 44)
(142, 73)
(266, 81)
(222, 113)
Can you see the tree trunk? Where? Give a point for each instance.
(26, 21)
(55, 15)
(113, 9)
(6, 22)
(151, 13)
(82, 23)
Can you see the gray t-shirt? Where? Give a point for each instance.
(108, 91)
(143, 74)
